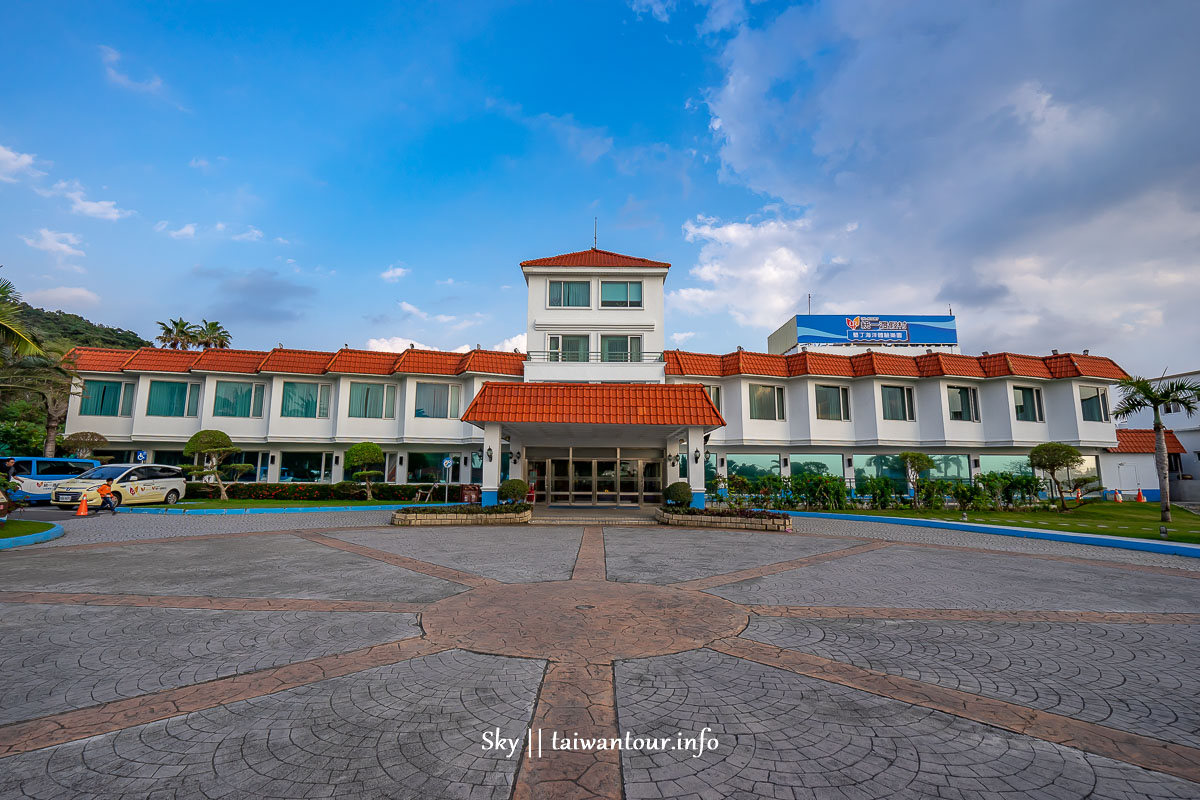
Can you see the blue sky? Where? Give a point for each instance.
(377, 175)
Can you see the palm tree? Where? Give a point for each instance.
(178, 334)
(51, 376)
(214, 335)
(13, 336)
(1138, 394)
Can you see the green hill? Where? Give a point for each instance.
(71, 329)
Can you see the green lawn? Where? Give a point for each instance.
(280, 503)
(1137, 520)
(22, 527)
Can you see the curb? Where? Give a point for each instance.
(1093, 539)
(53, 532)
(192, 512)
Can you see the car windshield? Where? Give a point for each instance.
(103, 473)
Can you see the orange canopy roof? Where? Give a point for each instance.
(215, 360)
(1141, 440)
(149, 359)
(595, 403)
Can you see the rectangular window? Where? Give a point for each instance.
(833, 402)
(570, 294)
(437, 400)
(1174, 462)
(964, 403)
(238, 399)
(173, 399)
(309, 400)
(1028, 404)
(753, 465)
(816, 464)
(714, 394)
(568, 348)
(106, 399)
(620, 294)
(305, 467)
(370, 400)
(389, 401)
(766, 402)
(1094, 402)
(427, 467)
(620, 348)
(898, 403)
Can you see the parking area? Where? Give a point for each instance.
(297, 656)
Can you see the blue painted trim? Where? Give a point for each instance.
(1094, 539)
(191, 512)
(488, 497)
(53, 532)
(697, 499)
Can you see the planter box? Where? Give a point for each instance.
(705, 521)
(411, 519)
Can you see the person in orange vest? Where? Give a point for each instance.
(106, 496)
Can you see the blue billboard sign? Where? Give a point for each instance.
(864, 329)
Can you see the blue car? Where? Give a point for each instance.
(36, 477)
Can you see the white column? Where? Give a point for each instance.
(672, 469)
(491, 468)
(695, 444)
(516, 469)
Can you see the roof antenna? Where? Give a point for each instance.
(595, 232)
(950, 309)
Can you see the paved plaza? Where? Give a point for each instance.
(306, 656)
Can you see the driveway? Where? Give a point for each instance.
(213, 657)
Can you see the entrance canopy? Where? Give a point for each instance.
(601, 413)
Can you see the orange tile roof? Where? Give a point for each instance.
(363, 362)
(1076, 365)
(594, 403)
(428, 362)
(742, 362)
(950, 364)
(1141, 440)
(884, 364)
(150, 359)
(98, 359)
(302, 362)
(819, 364)
(996, 365)
(680, 363)
(593, 258)
(494, 362)
(215, 360)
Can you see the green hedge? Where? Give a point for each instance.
(511, 508)
(723, 512)
(346, 490)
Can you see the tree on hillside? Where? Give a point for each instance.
(365, 454)
(212, 335)
(71, 330)
(1138, 394)
(213, 447)
(1053, 458)
(15, 340)
(177, 334)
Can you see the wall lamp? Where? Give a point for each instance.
(785, 462)
(489, 454)
(696, 455)
(515, 456)
(673, 459)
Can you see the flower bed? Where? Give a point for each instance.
(515, 514)
(724, 518)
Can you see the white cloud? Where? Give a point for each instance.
(73, 191)
(61, 245)
(281, 240)
(111, 58)
(396, 344)
(587, 142)
(252, 234)
(681, 337)
(161, 225)
(394, 273)
(219, 227)
(516, 342)
(14, 164)
(64, 297)
(659, 9)
(199, 163)
(412, 311)
(966, 155)
(186, 232)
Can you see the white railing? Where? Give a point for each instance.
(593, 356)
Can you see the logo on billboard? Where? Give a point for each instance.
(874, 329)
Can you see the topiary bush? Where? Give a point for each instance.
(513, 490)
(678, 494)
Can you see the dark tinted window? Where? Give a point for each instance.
(164, 473)
(63, 468)
(114, 471)
(142, 473)
(23, 466)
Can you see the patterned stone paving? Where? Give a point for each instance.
(219, 658)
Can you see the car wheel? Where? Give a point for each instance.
(172, 497)
(117, 500)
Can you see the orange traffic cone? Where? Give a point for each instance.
(1141, 498)
(82, 510)
(1117, 496)
(1078, 495)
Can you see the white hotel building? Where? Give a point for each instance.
(597, 413)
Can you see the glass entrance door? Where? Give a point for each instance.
(630, 492)
(583, 490)
(606, 483)
(652, 482)
(560, 481)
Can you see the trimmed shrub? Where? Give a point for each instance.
(678, 494)
(511, 508)
(725, 512)
(319, 491)
(513, 490)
